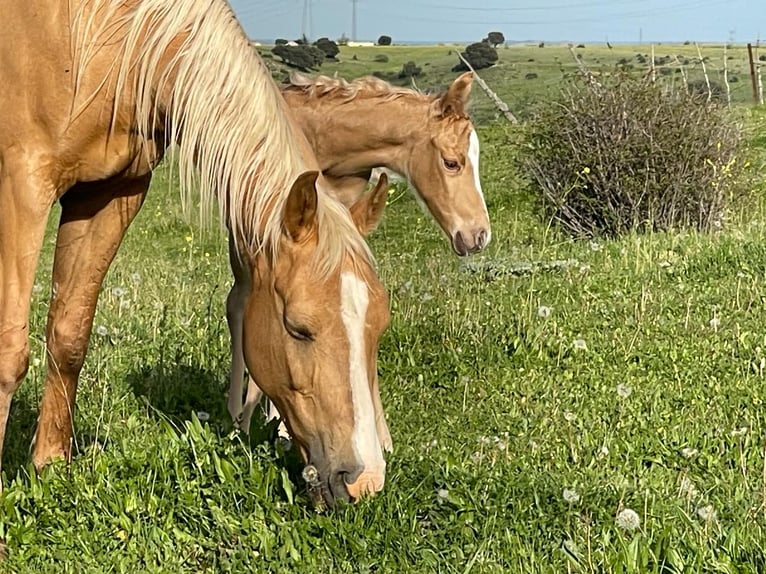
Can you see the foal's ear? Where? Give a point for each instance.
(368, 209)
(456, 98)
(301, 206)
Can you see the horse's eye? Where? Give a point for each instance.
(451, 164)
(299, 332)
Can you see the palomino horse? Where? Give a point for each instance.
(364, 124)
(93, 91)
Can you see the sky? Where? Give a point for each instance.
(632, 21)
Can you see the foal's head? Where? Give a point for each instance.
(444, 170)
(311, 336)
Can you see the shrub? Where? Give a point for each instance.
(494, 39)
(762, 58)
(632, 155)
(530, 76)
(699, 89)
(479, 55)
(410, 70)
(303, 57)
(328, 47)
(382, 58)
(384, 41)
(280, 42)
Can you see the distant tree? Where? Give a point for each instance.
(303, 40)
(280, 42)
(479, 55)
(303, 57)
(327, 46)
(384, 41)
(494, 39)
(410, 70)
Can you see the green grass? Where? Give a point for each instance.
(494, 409)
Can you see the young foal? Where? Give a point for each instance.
(357, 126)
(93, 92)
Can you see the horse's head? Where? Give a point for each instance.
(444, 170)
(311, 339)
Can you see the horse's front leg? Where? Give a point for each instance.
(25, 202)
(93, 222)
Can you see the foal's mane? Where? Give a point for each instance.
(336, 88)
(222, 110)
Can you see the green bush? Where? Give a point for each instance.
(410, 70)
(628, 154)
(303, 57)
(328, 47)
(384, 41)
(479, 55)
(381, 58)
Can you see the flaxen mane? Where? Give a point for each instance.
(223, 113)
(364, 87)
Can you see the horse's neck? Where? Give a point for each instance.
(360, 135)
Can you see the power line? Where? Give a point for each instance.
(353, 19)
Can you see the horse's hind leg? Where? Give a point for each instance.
(24, 208)
(94, 219)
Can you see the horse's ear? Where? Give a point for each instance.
(453, 102)
(301, 207)
(368, 209)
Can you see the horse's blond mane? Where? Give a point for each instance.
(222, 110)
(343, 90)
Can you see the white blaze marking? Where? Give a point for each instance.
(473, 159)
(364, 438)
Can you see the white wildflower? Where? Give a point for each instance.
(596, 246)
(119, 292)
(580, 344)
(36, 362)
(543, 311)
(569, 416)
(689, 452)
(37, 288)
(741, 431)
(664, 264)
(571, 496)
(203, 416)
(687, 488)
(442, 494)
(707, 513)
(426, 297)
(628, 519)
(715, 322)
(102, 331)
(603, 452)
(624, 391)
(135, 278)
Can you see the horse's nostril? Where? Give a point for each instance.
(458, 244)
(481, 238)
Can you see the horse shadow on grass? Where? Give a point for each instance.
(179, 391)
(19, 434)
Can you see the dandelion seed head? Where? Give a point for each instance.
(571, 496)
(119, 292)
(569, 416)
(707, 513)
(37, 288)
(442, 494)
(102, 331)
(580, 344)
(603, 452)
(628, 519)
(687, 487)
(135, 278)
(715, 322)
(689, 452)
(543, 311)
(36, 362)
(624, 391)
(596, 246)
(203, 416)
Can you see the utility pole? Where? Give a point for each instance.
(305, 18)
(353, 19)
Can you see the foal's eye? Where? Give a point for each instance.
(451, 164)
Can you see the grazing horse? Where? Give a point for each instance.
(93, 93)
(357, 126)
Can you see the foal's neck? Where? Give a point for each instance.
(364, 133)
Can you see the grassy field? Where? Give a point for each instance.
(525, 74)
(536, 394)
